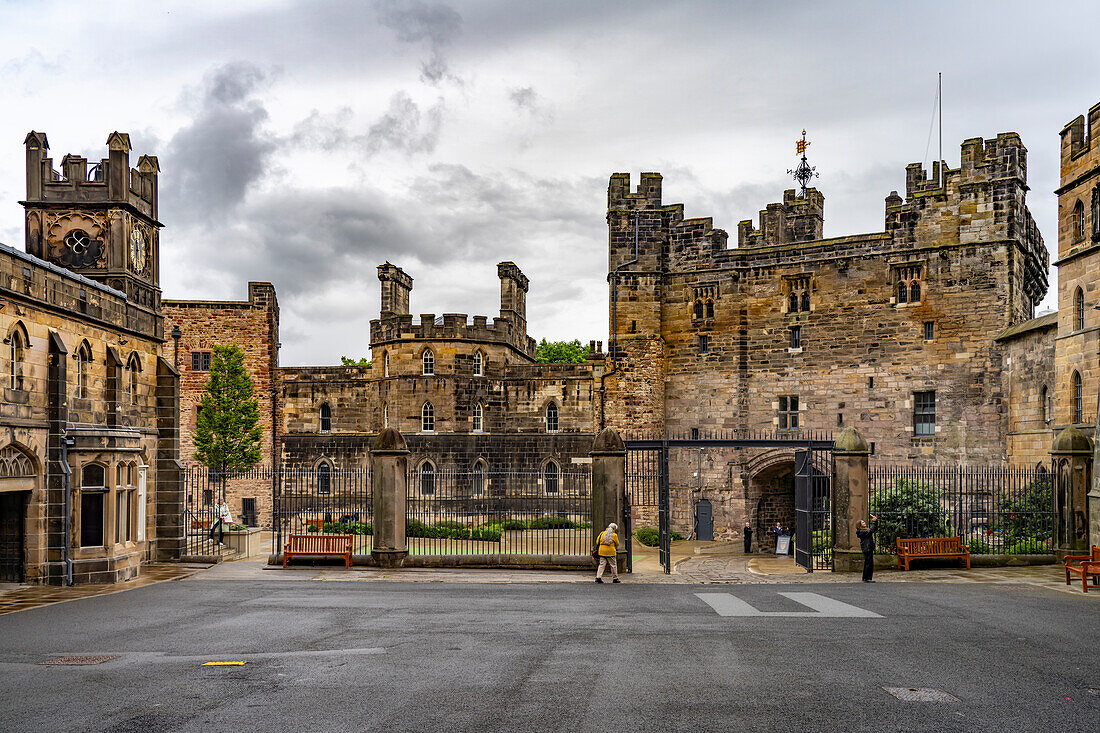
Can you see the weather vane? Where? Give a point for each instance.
(804, 172)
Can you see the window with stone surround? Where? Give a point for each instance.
(703, 297)
(1096, 213)
(17, 345)
(788, 412)
(478, 479)
(1078, 399)
(478, 417)
(552, 417)
(385, 415)
(551, 475)
(798, 289)
(929, 330)
(427, 418)
(83, 370)
(427, 363)
(425, 478)
(924, 413)
(907, 284)
(1078, 310)
(479, 364)
(796, 337)
(93, 494)
(1044, 404)
(326, 417)
(704, 344)
(134, 368)
(386, 364)
(324, 478)
(1077, 223)
(200, 361)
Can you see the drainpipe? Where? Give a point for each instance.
(613, 345)
(67, 488)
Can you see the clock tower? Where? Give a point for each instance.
(98, 220)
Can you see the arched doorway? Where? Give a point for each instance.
(771, 500)
(17, 481)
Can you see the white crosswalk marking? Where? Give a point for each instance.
(726, 604)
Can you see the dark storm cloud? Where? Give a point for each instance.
(216, 157)
(403, 127)
(435, 25)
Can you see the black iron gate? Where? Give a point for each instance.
(813, 494)
(647, 484)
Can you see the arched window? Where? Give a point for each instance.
(427, 418)
(698, 309)
(1078, 222)
(386, 364)
(324, 478)
(1078, 309)
(326, 417)
(552, 418)
(427, 361)
(426, 478)
(93, 505)
(17, 341)
(710, 309)
(478, 421)
(479, 364)
(1044, 410)
(792, 306)
(1078, 399)
(133, 367)
(903, 293)
(914, 292)
(385, 415)
(478, 479)
(550, 478)
(806, 300)
(83, 369)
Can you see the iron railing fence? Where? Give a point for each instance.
(998, 510)
(336, 501)
(498, 512)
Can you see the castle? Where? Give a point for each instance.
(923, 336)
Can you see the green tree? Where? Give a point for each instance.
(910, 509)
(560, 352)
(347, 361)
(227, 434)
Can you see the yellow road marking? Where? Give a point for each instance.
(224, 664)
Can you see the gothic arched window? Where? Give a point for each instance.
(326, 417)
(1078, 399)
(552, 418)
(18, 355)
(324, 478)
(710, 309)
(792, 306)
(427, 361)
(1044, 411)
(83, 370)
(426, 478)
(1078, 309)
(478, 479)
(427, 418)
(551, 475)
(479, 364)
(1077, 224)
(698, 309)
(133, 367)
(478, 417)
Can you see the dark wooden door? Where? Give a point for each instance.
(704, 521)
(12, 521)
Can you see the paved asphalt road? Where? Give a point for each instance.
(449, 657)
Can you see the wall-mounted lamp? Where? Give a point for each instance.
(176, 334)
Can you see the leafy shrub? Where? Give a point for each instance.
(1026, 515)
(513, 525)
(584, 525)
(348, 528)
(648, 536)
(450, 524)
(910, 510)
(1028, 546)
(979, 547)
(486, 533)
(675, 536)
(449, 530)
(312, 528)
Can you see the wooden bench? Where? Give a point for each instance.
(1087, 566)
(318, 545)
(931, 547)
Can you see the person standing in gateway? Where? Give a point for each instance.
(748, 538)
(607, 546)
(867, 545)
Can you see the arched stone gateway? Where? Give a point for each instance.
(770, 499)
(18, 478)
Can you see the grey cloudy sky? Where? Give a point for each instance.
(305, 142)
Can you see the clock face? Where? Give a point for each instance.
(137, 250)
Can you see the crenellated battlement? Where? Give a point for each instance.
(110, 181)
(647, 195)
(795, 219)
(1077, 139)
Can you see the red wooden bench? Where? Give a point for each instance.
(1087, 566)
(318, 545)
(931, 547)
